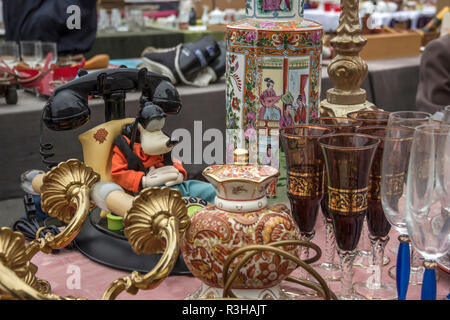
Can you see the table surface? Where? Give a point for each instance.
(95, 278)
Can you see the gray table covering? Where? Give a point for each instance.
(392, 84)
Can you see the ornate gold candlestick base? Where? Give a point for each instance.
(328, 109)
(347, 70)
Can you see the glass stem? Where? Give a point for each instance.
(364, 237)
(403, 266)
(347, 258)
(414, 259)
(429, 281)
(330, 242)
(305, 252)
(378, 246)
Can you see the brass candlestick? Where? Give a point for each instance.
(347, 70)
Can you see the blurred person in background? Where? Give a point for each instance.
(50, 21)
(433, 92)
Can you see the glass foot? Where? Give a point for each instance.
(207, 292)
(383, 291)
(364, 259)
(415, 275)
(353, 296)
(329, 271)
(302, 294)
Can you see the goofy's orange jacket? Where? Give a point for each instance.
(131, 179)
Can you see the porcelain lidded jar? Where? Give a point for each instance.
(273, 73)
(240, 217)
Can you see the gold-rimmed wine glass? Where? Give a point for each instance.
(329, 269)
(348, 158)
(305, 173)
(378, 226)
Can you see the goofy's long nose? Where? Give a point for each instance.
(172, 143)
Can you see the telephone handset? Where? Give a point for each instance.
(68, 108)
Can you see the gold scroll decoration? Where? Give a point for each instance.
(348, 201)
(65, 196)
(374, 187)
(156, 221)
(305, 184)
(394, 184)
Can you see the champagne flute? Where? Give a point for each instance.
(9, 52)
(348, 158)
(379, 227)
(49, 48)
(329, 269)
(305, 172)
(31, 52)
(428, 199)
(409, 119)
(368, 118)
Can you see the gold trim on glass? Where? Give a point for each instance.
(347, 201)
(395, 183)
(305, 184)
(374, 187)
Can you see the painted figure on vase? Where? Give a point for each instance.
(268, 110)
(269, 158)
(301, 113)
(273, 5)
(288, 117)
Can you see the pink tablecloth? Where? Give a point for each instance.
(62, 271)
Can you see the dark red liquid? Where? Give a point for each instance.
(304, 211)
(376, 220)
(347, 229)
(324, 206)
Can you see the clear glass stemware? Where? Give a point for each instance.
(9, 52)
(31, 52)
(406, 119)
(428, 199)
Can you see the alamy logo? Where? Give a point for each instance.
(74, 20)
(74, 280)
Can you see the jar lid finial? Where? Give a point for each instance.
(240, 156)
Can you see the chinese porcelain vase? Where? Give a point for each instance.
(272, 77)
(240, 217)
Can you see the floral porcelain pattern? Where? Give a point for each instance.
(273, 73)
(275, 9)
(240, 182)
(214, 234)
(229, 172)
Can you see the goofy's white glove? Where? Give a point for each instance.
(168, 175)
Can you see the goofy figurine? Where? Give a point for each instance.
(141, 158)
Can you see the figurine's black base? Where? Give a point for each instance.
(112, 249)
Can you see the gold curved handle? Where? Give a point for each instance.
(65, 196)
(157, 220)
(322, 288)
(13, 287)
